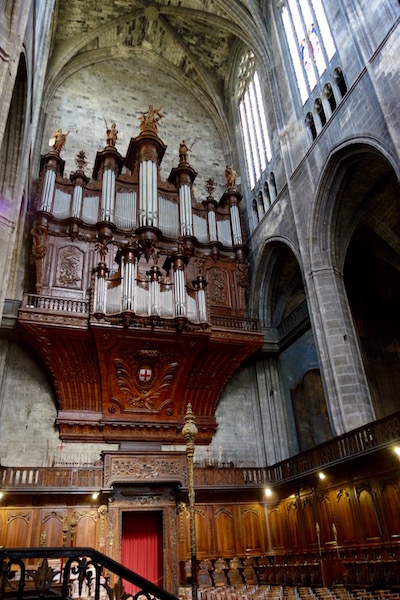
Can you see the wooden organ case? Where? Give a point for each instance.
(139, 305)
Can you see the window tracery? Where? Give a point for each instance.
(310, 42)
(253, 119)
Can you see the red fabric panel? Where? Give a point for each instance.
(141, 546)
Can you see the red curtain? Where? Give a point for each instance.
(141, 546)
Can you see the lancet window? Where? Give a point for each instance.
(253, 120)
(310, 42)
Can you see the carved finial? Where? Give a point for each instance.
(57, 140)
(150, 119)
(81, 161)
(210, 186)
(189, 430)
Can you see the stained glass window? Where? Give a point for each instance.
(310, 42)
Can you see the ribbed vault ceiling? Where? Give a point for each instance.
(194, 40)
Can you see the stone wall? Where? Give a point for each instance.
(120, 91)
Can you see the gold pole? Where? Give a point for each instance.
(189, 432)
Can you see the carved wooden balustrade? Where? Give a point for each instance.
(80, 478)
(367, 439)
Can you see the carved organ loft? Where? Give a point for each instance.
(139, 307)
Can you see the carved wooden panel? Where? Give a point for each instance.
(346, 528)
(309, 522)
(3, 525)
(325, 518)
(51, 527)
(202, 532)
(18, 528)
(252, 529)
(276, 518)
(391, 501)
(138, 467)
(293, 523)
(86, 528)
(225, 531)
(69, 269)
(218, 288)
(368, 513)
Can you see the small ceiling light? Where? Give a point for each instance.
(95, 495)
(321, 475)
(268, 492)
(1, 495)
(397, 450)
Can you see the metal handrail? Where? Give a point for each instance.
(97, 560)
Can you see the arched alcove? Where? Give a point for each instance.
(372, 280)
(356, 233)
(11, 148)
(290, 350)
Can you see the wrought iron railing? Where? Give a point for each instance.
(32, 569)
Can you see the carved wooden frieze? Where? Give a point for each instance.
(138, 468)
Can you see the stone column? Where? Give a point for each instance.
(273, 411)
(347, 393)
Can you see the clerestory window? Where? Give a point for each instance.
(310, 42)
(253, 120)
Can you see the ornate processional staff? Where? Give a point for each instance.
(189, 432)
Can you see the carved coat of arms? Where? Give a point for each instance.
(144, 381)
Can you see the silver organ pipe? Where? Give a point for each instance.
(185, 210)
(148, 200)
(77, 202)
(129, 282)
(108, 195)
(48, 190)
(201, 300)
(235, 220)
(154, 291)
(212, 226)
(153, 195)
(168, 217)
(100, 303)
(142, 208)
(179, 285)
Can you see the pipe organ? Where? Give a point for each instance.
(140, 293)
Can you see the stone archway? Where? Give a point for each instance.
(355, 250)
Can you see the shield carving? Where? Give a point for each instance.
(145, 374)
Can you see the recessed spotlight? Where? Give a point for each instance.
(397, 450)
(268, 492)
(321, 475)
(95, 495)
